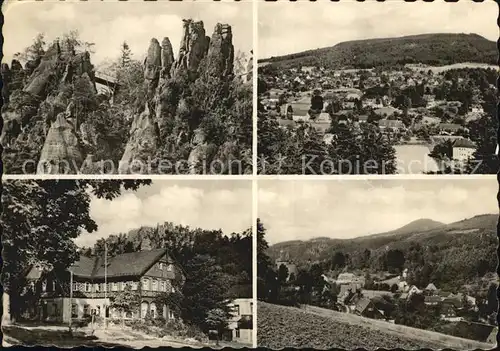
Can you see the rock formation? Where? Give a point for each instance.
(199, 58)
(45, 109)
(142, 144)
(193, 48)
(61, 152)
(220, 56)
(39, 82)
(167, 57)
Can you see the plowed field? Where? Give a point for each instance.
(280, 326)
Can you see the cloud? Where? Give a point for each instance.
(308, 25)
(302, 210)
(198, 205)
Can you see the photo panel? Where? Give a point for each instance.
(388, 87)
(127, 87)
(386, 263)
(127, 263)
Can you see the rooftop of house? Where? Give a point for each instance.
(431, 287)
(127, 264)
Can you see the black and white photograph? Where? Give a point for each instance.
(128, 263)
(377, 88)
(126, 87)
(367, 264)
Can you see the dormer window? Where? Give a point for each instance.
(160, 265)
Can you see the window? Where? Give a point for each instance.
(251, 307)
(98, 311)
(114, 286)
(75, 286)
(86, 310)
(145, 284)
(154, 285)
(237, 330)
(160, 265)
(123, 286)
(170, 267)
(171, 314)
(74, 310)
(44, 286)
(237, 309)
(134, 286)
(162, 285)
(88, 287)
(53, 285)
(96, 287)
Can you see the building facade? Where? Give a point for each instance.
(241, 324)
(94, 285)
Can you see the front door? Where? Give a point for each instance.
(45, 313)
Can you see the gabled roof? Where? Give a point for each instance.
(431, 287)
(127, 264)
(463, 142)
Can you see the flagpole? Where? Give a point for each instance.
(105, 283)
(70, 297)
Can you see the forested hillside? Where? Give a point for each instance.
(432, 49)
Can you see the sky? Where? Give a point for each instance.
(205, 204)
(108, 24)
(286, 28)
(342, 209)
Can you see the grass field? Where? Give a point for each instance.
(313, 327)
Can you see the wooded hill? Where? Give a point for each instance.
(431, 49)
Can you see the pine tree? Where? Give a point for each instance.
(125, 55)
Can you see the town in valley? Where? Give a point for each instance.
(381, 102)
(425, 284)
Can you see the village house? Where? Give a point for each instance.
(387, 125)
(350, 278)
(450, 128)
(241, 323)
(94, 285)
(463, 149)
(366, 308)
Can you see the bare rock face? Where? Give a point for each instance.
(142, 144)
(62, 152)
(201, 153)
(167, 56)
(152, 68)
(44, 74)
(194, 46)
(220, 56)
